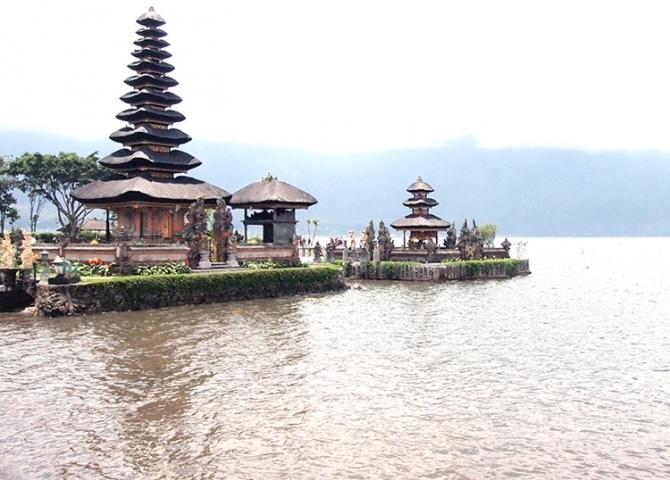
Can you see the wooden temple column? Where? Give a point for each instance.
(246, 217)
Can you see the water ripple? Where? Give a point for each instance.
(561, 374)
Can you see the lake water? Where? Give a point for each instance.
(561, 374)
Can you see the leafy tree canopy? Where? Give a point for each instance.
(8, 211)
(487, 233)
(54, 177)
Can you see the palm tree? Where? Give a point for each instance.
(309, 230)
(316, 224)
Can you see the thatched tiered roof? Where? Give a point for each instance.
(420, 220)
(271, 193)
(147, 166)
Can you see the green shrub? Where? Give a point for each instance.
(274, 263)
(45, 237)
(128, 293)
(168, 268)
(94, 268)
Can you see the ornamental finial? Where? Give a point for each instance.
(151, 9)
(268, 179)
(419, 179)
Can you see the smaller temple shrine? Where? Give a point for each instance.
(146, 193)
(271, 204)
(421, 224)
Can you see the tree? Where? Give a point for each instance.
(36, 200)
(487, 233)
(316, 224)
(309, 230)
(54, 177)
(8, 211)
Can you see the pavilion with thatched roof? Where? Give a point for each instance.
(147, 192)
(421, 224)
(271, 204)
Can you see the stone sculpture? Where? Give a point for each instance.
(27, 256)
(450, 241)
(431, 248)
(384, 242)
(476, 241)
(195, 230)
(364, 239)
(223, 230)
(369, 237)
(330, 251)
(464, 240)
(7, 251)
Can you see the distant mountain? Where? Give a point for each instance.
(526, 191)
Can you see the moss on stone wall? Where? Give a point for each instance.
(450, 270)
(136, 293)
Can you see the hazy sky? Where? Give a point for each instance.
(354, 76)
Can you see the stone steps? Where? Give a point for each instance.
(216, 267)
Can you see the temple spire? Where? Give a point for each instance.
(150, 137)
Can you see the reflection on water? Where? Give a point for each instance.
(560, 374)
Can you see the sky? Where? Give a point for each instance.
(354, 76)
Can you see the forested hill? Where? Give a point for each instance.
(526, 191)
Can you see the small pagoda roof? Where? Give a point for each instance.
(151, 42)
(94, 225)
(151, 19)
(144, 188)
(151, 80)
(145, 158)
(148, 135)
(420, 186)
(149, 114)
(151, 53)
(151, 32)
(271, 193)
(421, 222)
(420, 202)
(151, 66)
(151, 96)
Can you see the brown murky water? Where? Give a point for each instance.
(562, 374)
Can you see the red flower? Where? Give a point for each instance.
(79, 254)
(186, 262)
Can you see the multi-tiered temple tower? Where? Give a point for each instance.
(421, 224)
(147, 193)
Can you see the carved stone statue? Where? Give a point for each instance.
(195, 230)
(27, 256)
(232, 243)
(450, 241)
(352, 240)
(330, 251)
(369, 237)
(476, 241)
(7, 251)
(431, 248)
(364, 239)
(464, 241)
(295, 242)
(223, 230)
(506, 244)
(384, 241)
